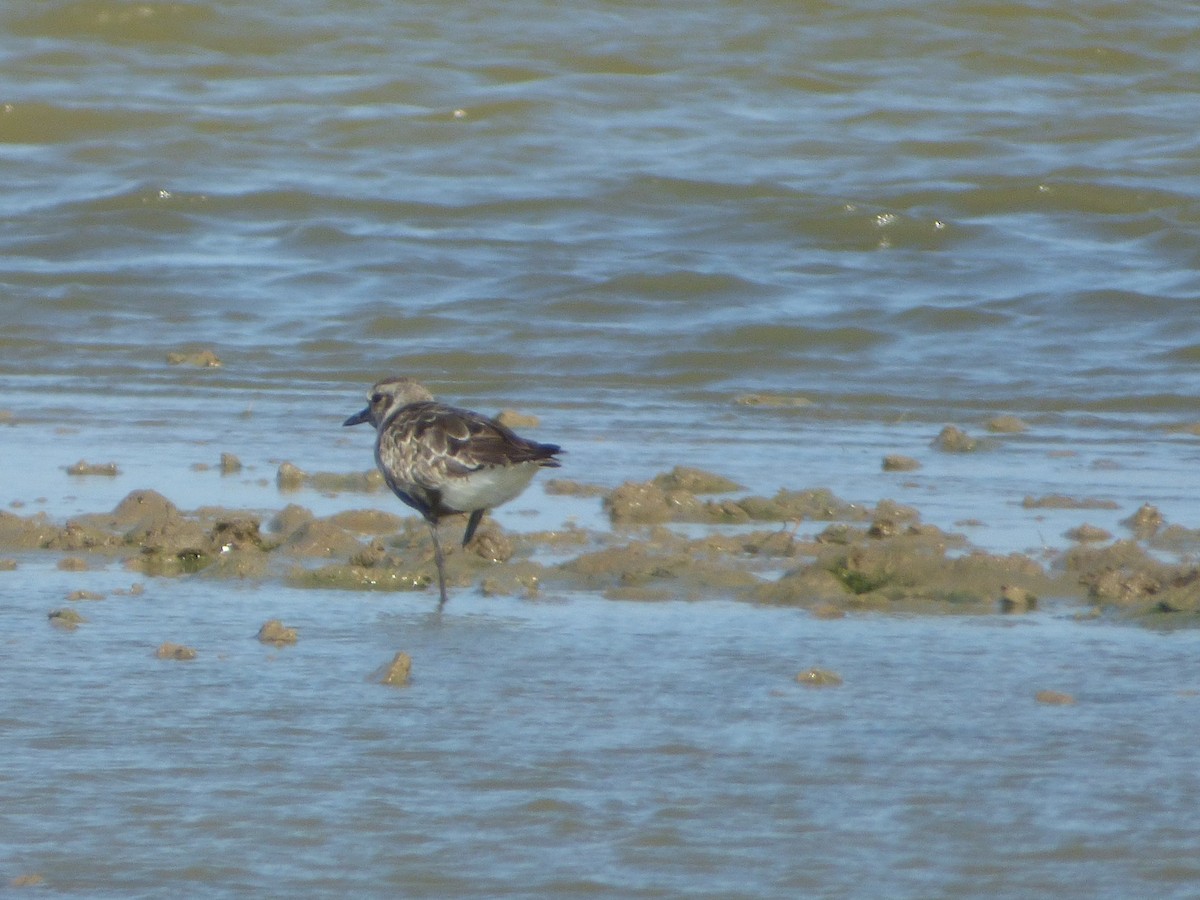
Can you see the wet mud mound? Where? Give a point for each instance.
(685, 534)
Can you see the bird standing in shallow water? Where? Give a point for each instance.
(443, 460)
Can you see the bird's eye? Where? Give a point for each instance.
(377, 398)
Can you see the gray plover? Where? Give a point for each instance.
(442, 460)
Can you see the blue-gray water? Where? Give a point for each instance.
(622, 219)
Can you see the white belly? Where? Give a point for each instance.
(487, 488)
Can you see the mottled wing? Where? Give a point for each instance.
(455, 442)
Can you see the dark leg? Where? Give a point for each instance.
(441, 564)
(472, 524)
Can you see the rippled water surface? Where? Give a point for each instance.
(887, 216)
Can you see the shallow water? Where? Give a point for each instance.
(587, 747)
(622, 219)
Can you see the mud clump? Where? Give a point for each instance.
(1144, 523)
(396, 673)
(896, 462)
(230, 464)
(782, 401)
(318, 538)
(175, 651)
(567, 488)
(290, 477)
(202, 359)
(911, 571)
(695, 481)
(819, 678)
(369, 521)
(952, 439)
(1087, 534)
(490, 543)
(273, 631)
(86, 468)
(1054, 698)
(636, 503)
(1015, 599)
(66, 619)
(1062, 501)
(659, 569)
(1124, 577)
(1006, 425)
(19, 533)
(360, 578)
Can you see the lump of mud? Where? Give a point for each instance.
(203, 359)
(819, 504)
(491, 543)
(952, 439)
(672, 567)
(909, 572)
(568, 488)
(20, 533)
(1062, 501)
(819, 678)
(86, 468)
(369, 521)
(783, 401)
(520, 579)
(396, 673)
(361, 578)
(338, 482)
(1016, 599)
(230, 464)
(317, 538)
(175, 651)
(273, 631)
(644, 503)
(76, 596)
(66, 619)
(8, 565)
(149, 519)
(81, 535)
(290, 477)
(1006, 425)
(1145, 522)
(695, 481)
(1177, 539)
(1086, 533)
(238, 532)
(1054, 698)
(289, 519)
(896, 462)
(1125, 577)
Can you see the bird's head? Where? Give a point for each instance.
(386, 397)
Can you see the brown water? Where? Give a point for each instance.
(623, 219)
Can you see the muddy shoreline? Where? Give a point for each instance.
(804, 548)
